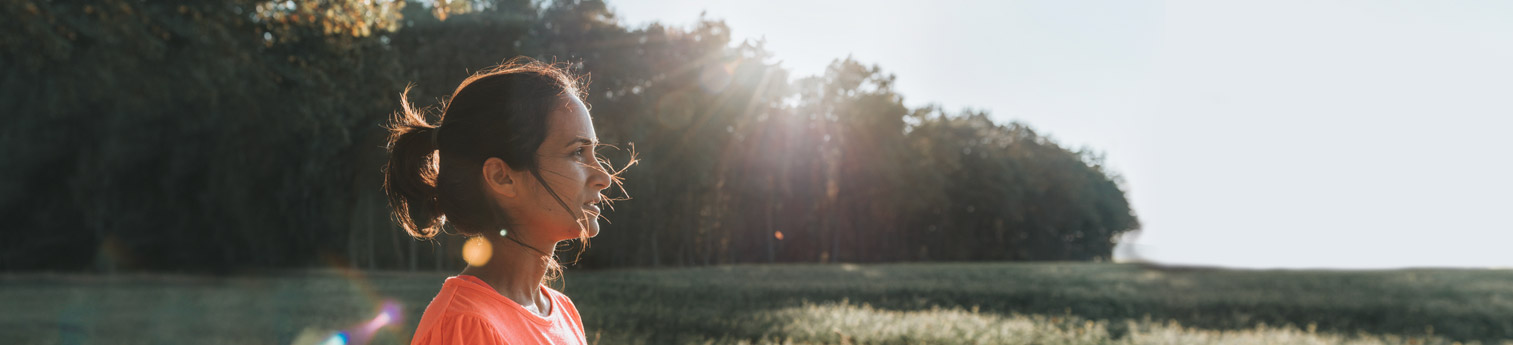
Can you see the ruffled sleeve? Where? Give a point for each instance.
(459, 329)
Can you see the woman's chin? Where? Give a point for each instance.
(591, 228)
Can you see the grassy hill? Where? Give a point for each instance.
(965, 303)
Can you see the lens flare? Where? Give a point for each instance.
(340, 338)
(477, 251)
(390, 313)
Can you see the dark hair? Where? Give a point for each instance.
(433, 175)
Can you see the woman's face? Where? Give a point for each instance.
(567, 162)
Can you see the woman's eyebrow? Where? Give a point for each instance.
(581, 140)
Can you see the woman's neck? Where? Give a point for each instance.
(516, 270)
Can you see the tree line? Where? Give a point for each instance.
(231, 134)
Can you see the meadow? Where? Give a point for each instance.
(934, 303)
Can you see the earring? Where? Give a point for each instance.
(503, 232)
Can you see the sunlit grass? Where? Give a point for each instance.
(986, 303)
(847, 323)
(731, 304)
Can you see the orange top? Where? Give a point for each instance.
(468, 311)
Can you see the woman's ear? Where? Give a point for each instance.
(496, 175)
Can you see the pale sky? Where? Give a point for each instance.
(1267, 134)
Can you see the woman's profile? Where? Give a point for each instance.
(511, 164)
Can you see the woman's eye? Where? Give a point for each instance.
(579, 152)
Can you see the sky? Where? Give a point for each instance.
(1263, 134)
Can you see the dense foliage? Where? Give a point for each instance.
(233, 133)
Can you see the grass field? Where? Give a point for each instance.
(976, 303)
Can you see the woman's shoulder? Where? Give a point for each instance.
(458, 328)
(453, 314)
(459, 296)
(470, 312)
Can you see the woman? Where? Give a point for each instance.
(511, 164)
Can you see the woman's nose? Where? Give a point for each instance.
(600, 178)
